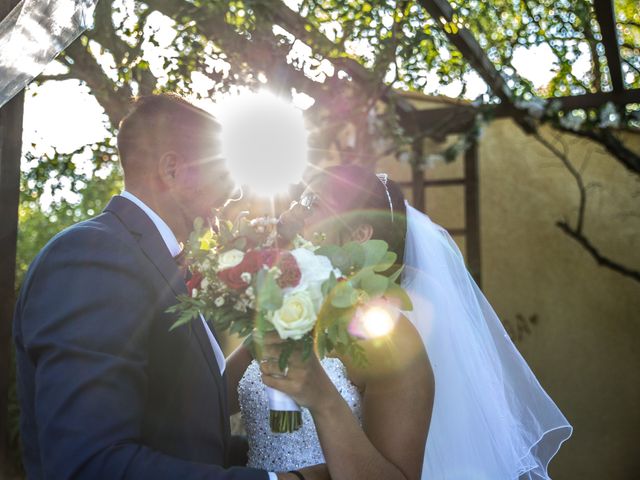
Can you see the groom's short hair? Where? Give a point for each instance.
(165, 122)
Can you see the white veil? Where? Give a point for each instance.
(32, 34)
(491, 418)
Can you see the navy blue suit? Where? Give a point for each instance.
(106, 391)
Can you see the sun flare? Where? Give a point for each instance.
(264, 141)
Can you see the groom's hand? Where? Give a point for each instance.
(304, 380)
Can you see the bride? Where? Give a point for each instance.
(445, 395)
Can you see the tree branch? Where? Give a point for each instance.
(562, 155)
(577, 232)
(59, 77)
(613, 145)
(83, 65)
(595, 253)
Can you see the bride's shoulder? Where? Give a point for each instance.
(398, 354)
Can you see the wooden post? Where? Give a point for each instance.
(472, 212)
(10, 154)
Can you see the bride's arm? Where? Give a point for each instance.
(236, 364)
(397, 401)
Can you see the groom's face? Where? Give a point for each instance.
(201, 185)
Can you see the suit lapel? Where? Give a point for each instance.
(149, 239)
(153, 246)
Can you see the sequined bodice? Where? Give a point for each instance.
(287, 451)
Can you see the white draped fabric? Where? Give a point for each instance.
(31, 36)
(491, 419)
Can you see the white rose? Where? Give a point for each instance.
(314, 270)
(296, 317)
(204, 285)
(230, 259)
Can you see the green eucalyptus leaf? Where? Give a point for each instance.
(356, 253)
(396, 275)
(374, 284)
(269, 295)
(387, 262)
(337, 255)
(375, 251)
(399, 293)
(328, 285)
(343, 295)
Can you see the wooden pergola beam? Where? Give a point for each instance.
(437, 123)
(10, 154)
(470, 49)
(596, 100)
(606, 17)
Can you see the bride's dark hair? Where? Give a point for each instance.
(372, 199)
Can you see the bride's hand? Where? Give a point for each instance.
(303, 380)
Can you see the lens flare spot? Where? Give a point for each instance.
(377, 322)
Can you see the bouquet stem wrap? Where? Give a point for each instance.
(285, 415)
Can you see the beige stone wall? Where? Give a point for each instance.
(585, 347)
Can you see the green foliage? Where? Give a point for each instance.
(268, 294)
(362, 263)
(85, 194)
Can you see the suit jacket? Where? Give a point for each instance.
(106, 391)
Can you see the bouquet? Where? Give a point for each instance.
(312, 294)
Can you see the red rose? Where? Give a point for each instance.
(290, 271)
(286, 262)
(252, 262)
(194, 282)
(232, 277)
(269, 256)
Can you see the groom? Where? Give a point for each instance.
(106, 391)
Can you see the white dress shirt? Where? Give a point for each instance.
(174, 248)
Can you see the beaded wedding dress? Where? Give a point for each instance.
(287, 451)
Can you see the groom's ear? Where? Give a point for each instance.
(362, 233)
(168, 167)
